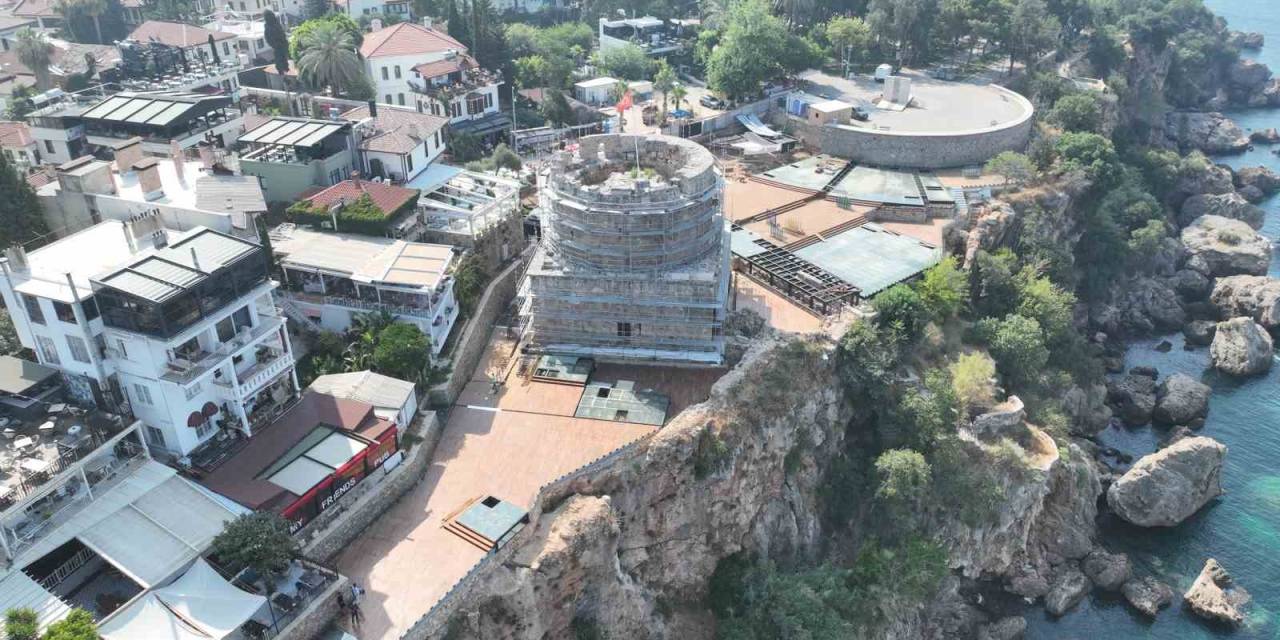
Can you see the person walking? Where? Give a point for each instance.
(357, 616)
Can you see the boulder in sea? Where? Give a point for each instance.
(1265, 136)
(1241, 347)
(1068, 588)
(1147, 594)
(1228, 205)
(1181, 399)
(1133, 398)
(1210, 132)
(1106, 570)
(1215, 596)
(1221, 246)
(1252, 193)
(1200, 332)
(1191, 285)
(1164, 488)
(1246, 39)
(1011, 628)
(1262, 178)
(1256, 297)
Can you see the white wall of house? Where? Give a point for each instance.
(458, 110)
(54, 144)
(392, 86)
(405, 166)
(358, 8)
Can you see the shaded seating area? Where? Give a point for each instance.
(199, 605)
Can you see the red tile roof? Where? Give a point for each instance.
(443, 67)
(387, 197)
(15, 134)
(237, 478)
(176, 34)
(396, 130)
(41, 177)
(407, 38)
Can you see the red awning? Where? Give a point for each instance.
(195, 419)
(209, 410)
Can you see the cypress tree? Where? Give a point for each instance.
(277, 40)
(21, 215)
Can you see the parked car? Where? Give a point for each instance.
(711, 102)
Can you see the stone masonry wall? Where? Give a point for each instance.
(319, 613)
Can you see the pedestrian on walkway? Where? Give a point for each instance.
(357, 616)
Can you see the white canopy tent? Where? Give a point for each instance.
(200, 605)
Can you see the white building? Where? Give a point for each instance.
(596, 91)
(185, 194)
(180, 325)
(394, 143)
(654, 36)
(17, 144)
(328, 278)
(357, 9)
(250, 34)
(392, 398)
(420, 67)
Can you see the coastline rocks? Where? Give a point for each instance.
(1200, 332)
(1191, 285)
(1165, 487)
(1246, 39)
(1011, 628)
(1147, 595)
(1256, 297)
(1004, 419)
(1224, 247)
(1139, 306)
(1214, 596)
(1133, 398)
(1228, 205)
(1265, 136)
(1181, 399)
(1248, 77)
(1262, 178)
(1087, 408)
(1213, 178)
(1210, 132)
(1107, 571)
(1241, 347)
(1069, 587)
(1251, 193)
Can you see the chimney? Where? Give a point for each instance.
(179, 162)
(17, 256)
(149, 178)
(127, 153)
(206, 155)
(373, 108)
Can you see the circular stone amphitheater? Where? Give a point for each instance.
(948, 124)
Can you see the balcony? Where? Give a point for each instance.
(199, 75)
(255, 377)
(356, 303)
(183, 371)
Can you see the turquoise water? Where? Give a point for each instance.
(1242, 529)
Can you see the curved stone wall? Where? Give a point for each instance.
(924, 150)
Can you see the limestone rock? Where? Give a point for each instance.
(1264, 136)
(1246, 39)
(1214, 596)
(1069, 587)
(1133, 398)
(1272, 93)
(1241, 347)
(1263, 178)
(1165, 487)
(1256, 297)
(1191, 285)
(1147, 594)
(1029, 585)
(1251, 193)
(1210, 132)
(1248, 75)
(1228, 205)
(1003, 419)
(1200, 332)
(1224, 247)
(1011, 628)
(1181, 399)
(1213, 178)
(1139, 306)
(1087, 408)
(1106, 570)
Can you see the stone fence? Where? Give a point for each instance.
(352, 515)
(470, 348)
(434, 623)
(315, 618)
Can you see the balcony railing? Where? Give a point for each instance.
(256, 377)
(356, 303)
(184, 370)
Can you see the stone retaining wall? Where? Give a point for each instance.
(351, 518)
(470, 348)
(319, 613)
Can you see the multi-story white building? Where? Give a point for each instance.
(181, 326)
(329, 278)
(425, 69)
(396, 143)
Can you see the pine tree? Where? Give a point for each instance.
(21, 215)
(214, 48)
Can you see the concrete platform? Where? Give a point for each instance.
(780, 313)
(812, 218)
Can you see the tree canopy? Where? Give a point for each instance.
(21, 214)
(750, 52)
(402, 352)
(259, 541)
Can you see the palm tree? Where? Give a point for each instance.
(33, 52)
(678, 93)
(329, 59)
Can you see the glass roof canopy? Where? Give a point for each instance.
(154, 109)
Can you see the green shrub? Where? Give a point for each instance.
(711, 456)
(21, 624)
(944, 289)
(973, 380)
(901, 310)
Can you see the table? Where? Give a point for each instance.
(47, 427)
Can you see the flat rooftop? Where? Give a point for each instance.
(871, 257)
(939, 106)
(365, 259)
